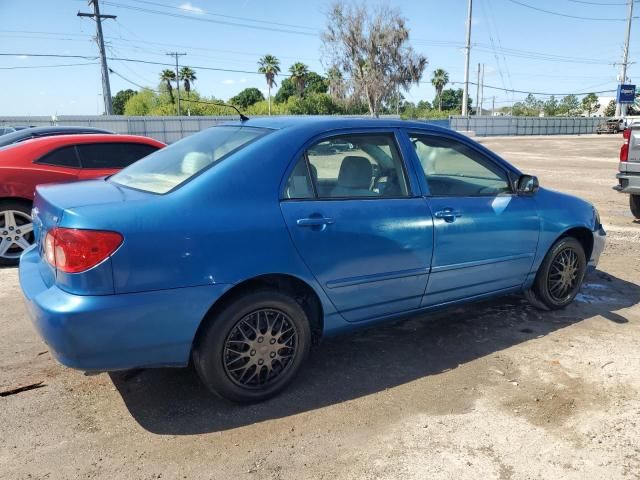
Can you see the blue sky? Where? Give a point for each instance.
(583, 51)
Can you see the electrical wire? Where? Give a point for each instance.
(49, 66)
(492, 87)
(598, 19)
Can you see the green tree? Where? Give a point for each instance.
(610, 109)
(439, 80)
(569, 106)
(313, 104)
(142, 103)
(287, 89)
(315, 83)
(187, 76)
(550, 107)
(121, 99)
(247, 97)
(370, 45)
(269, 66)
(299, 72)
(590, 103)
(166, 77)
(451, 99)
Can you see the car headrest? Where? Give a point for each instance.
(355, 172)
(193, 162)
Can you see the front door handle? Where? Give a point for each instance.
(314, 221)
(449, 215)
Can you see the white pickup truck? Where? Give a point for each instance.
(629, 175)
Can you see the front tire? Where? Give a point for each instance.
(16, 231)
(253, 347)
(634, 203)
(561, 274)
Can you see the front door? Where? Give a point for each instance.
(350, 212)
(485, 234)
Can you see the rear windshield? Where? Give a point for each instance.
(168, 168)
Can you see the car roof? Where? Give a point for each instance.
(323, 123)
(90, 138)
(20, 135)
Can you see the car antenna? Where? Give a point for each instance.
(243, 117)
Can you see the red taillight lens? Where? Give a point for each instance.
(624, 150)
(73, 251)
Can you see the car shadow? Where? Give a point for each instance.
(174, 402)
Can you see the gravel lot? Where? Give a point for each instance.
(490, 390)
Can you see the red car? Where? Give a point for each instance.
(57, 159)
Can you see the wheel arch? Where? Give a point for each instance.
(299, 289)
(582, 235)
(25, 201)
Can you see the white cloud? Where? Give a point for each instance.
(189, 7)
(243, 80)
(22, 57)
(228, 81)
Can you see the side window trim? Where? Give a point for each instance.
(506, 173)
(390, 132)
(78, 165)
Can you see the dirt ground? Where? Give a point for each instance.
(490, 390)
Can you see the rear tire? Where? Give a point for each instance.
(13, 215)
(253, 347)
(561, 274)
(634, 203)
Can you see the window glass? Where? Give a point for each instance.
(353, 166)
(62, 157)
(452, 168)
(173, 165)
(112, 155)
(299, 184)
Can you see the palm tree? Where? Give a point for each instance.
(299, 72)
(270, 67)
(187, 76)
(168, 76)
(439, 79)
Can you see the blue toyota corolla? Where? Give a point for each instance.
(236, 246)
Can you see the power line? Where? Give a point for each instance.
(601, 3)
(135, 60)
(599, 19)
(200, 11)
(49, 66)
(208, 20)
(535, 93)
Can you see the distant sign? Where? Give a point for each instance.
(626, 93)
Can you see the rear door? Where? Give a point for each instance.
(485, 235)
(352, 213)
(57, 166)
(100, 159)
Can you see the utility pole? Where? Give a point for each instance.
(176, 54)
(106, 87)
(482, 89)
(478, 90)
(467, 54)
(621, 110)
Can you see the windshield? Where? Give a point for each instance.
(166, 169)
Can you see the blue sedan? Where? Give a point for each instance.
(238, 246)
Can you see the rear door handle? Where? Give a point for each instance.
(314, 221)
(448, 214)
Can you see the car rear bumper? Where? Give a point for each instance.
(628, 183)
(114, 332)
(599, 240)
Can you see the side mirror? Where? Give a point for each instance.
(528, 184)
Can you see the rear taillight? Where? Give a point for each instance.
(624, 150)
(73, 251)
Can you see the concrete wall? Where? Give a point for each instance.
(489, 126)
(171, 129)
